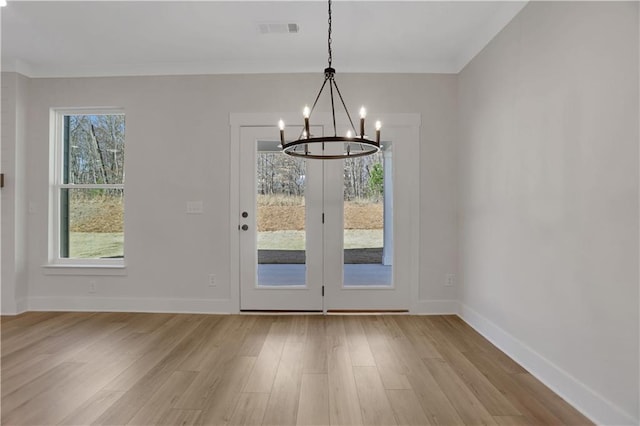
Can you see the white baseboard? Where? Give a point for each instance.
(21, 306)
(117, 304)
(576, 393)
(18, 307)
(435, 307)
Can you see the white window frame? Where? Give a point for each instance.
(56, 165)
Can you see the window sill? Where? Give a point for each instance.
(84, 269)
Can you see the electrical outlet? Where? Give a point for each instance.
(212, 280)
(92, 286)
(450, 280)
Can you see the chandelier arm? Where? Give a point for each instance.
(345, 109)
(315, 102)
(332, 82)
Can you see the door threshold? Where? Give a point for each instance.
(367, 311)
(278, 312)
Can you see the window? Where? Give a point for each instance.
(88, 187)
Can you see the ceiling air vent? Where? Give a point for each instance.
(278, 28)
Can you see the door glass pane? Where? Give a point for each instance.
(281, 217)
(367, 253)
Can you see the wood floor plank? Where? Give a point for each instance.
(313, 406)
(28, 335)
(298, 328)
(160, 346)
(359, 350)
(283, 402)
(217, 368)
(252, 345)
(222, 401)
(33, 367)
(264, 371)
(344, 404)
(392, 371)
(289, 373)
(524, 401)
(26, 319)
(182, 418)
(77, 387)
(435, 403)
(204, 344)
(406, 407)
(109, 340)
(512, 420)
(92, 408)
(420, 341)
(148, 323)
(470, 334)
(282, 409)
(376, 409)
(250, 409)
(558, 406)
(463, 400)
(490, 396)
(35, 387)
(315, 350)
(160, 403)
(165, 361)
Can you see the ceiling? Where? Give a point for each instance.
(109, 38)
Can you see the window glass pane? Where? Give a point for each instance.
(93, 149)
(281, 217)
(92, 223)
(364, 222)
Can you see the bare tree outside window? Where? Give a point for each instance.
(92, 186)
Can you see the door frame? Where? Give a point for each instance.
(400, 129)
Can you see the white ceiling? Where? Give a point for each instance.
(103, 38)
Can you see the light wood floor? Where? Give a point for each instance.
(121, 368)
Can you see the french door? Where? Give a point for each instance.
(316, 235)
(281, 264)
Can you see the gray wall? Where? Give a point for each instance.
(549, 199)
(178, 147)
(13, 195)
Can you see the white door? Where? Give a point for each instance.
(280, 228)
(342, 250)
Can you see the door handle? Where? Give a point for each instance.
(245, 227)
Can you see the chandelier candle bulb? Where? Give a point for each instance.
(349, 134)
(363, 115)
(378, 127)
(306, 113)
(281, 125)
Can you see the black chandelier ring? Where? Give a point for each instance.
(366, 147)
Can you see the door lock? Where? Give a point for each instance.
(245, 227)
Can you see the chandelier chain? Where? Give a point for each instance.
(354, 144)
(329, 38)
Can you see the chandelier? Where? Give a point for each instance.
(354, 144)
